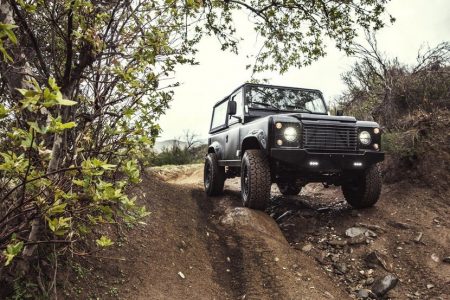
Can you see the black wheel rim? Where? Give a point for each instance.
(208, 173)
(245, 183)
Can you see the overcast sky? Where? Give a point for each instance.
(419, 23)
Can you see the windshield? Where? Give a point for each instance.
(266, 97)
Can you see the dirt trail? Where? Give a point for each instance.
(224, 251)
(262, 264)
(411, 226)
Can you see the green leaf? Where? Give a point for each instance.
(66, 102)
(60, 225)
(37, 88)
(31, 8)
(78, 182)
(3, 111)
(11, 36)
(107, 166)
(56, 208)
(52, 84)
(6, 56)
(67, 125)
(4, 26)
(57, 126)
(104, 242)
(128, 112)
(12, 250)
(35, 126)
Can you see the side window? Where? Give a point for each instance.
(219, 115)
(239, 107)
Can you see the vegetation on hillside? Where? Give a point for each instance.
(411, 103)
(183, 151)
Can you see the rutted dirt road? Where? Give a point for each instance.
(194, 247)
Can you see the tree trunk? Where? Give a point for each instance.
(16, 75)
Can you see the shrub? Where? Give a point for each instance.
(412, 105)
(178, 156)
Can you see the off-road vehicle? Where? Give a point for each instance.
(272, 134)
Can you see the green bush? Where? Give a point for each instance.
(411, 103)
(402, 143)
(178, 156)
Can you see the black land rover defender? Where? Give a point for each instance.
(272, 134)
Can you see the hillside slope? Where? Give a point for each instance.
(224, 251)
(193, 247)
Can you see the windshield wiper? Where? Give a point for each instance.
(265, 104)
(300, 108)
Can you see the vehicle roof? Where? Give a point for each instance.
(264, 85)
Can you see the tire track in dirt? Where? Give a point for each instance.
(250, 275)
(223, 255)
(320, 216)
(262, 265)
(269, 284)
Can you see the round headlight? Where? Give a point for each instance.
(290, 134)
(365, 138)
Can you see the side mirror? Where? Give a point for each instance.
(232, 106)
(339, 112)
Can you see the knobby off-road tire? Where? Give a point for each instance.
(289, 188)
(255, 180)
(365, 189)
(213, 176)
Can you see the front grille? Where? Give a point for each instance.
(329, 137)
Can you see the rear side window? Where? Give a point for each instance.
(219, 115)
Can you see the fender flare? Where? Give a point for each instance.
(254, 139)
(216, 148)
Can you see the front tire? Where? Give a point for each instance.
(255, 180)
(364, 191)
(288, 188)
(213, 175)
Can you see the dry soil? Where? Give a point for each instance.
(195, 247)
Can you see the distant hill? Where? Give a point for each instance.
(168, 144)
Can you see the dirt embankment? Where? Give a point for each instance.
(194, 247)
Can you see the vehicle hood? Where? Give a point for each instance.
(307, 118)
(313, 117)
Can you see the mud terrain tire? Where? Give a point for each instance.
(365, 189)
(255, 180)
(213, 176)
(288, 188)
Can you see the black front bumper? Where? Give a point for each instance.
(303, 159)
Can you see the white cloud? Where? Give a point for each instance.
(418, 23)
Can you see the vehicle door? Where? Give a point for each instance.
(232, 144)
(218, 129)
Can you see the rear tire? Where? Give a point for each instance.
(213, 176)
(365, 189)
(288, 188)
(255, 180)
